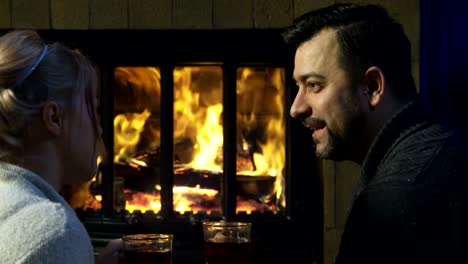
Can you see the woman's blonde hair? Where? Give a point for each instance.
(32, 73)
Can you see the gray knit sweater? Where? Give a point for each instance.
(36, 223)
(411, 205)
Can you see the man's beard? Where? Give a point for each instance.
(337, 148)
(340, 146)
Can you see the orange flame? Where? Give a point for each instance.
(136, 102)
(198, 117)
(127, 129)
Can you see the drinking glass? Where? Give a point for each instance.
(147, 248)
(227, 242)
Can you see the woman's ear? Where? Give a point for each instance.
(52, 118)
(374, 81)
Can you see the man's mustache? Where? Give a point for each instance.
(313, 123)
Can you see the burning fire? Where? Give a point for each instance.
(198, 126)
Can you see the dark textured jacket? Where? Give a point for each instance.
(411, 204)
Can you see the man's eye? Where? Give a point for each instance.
(313, 86)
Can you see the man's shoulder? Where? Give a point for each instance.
(422, 150)
(426, 141)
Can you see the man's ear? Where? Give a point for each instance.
(374, 81)
(52, 118)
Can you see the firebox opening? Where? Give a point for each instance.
(198, 139)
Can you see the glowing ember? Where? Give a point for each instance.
(185, 199)
(189, 199)
(142, 201)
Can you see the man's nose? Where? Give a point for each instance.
(300, 108)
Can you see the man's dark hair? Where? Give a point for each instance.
(367, 36)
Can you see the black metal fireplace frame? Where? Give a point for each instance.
(229, 49)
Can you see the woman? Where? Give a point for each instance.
(49, 137)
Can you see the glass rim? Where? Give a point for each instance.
(136, 237)
(226, 224)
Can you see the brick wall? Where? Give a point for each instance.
(182, 14)
(165, 14)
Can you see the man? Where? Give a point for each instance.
(356, 94)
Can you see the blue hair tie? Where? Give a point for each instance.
(32, 67)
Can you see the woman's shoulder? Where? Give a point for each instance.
(34, 227)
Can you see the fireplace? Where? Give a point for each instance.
(197, 128)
